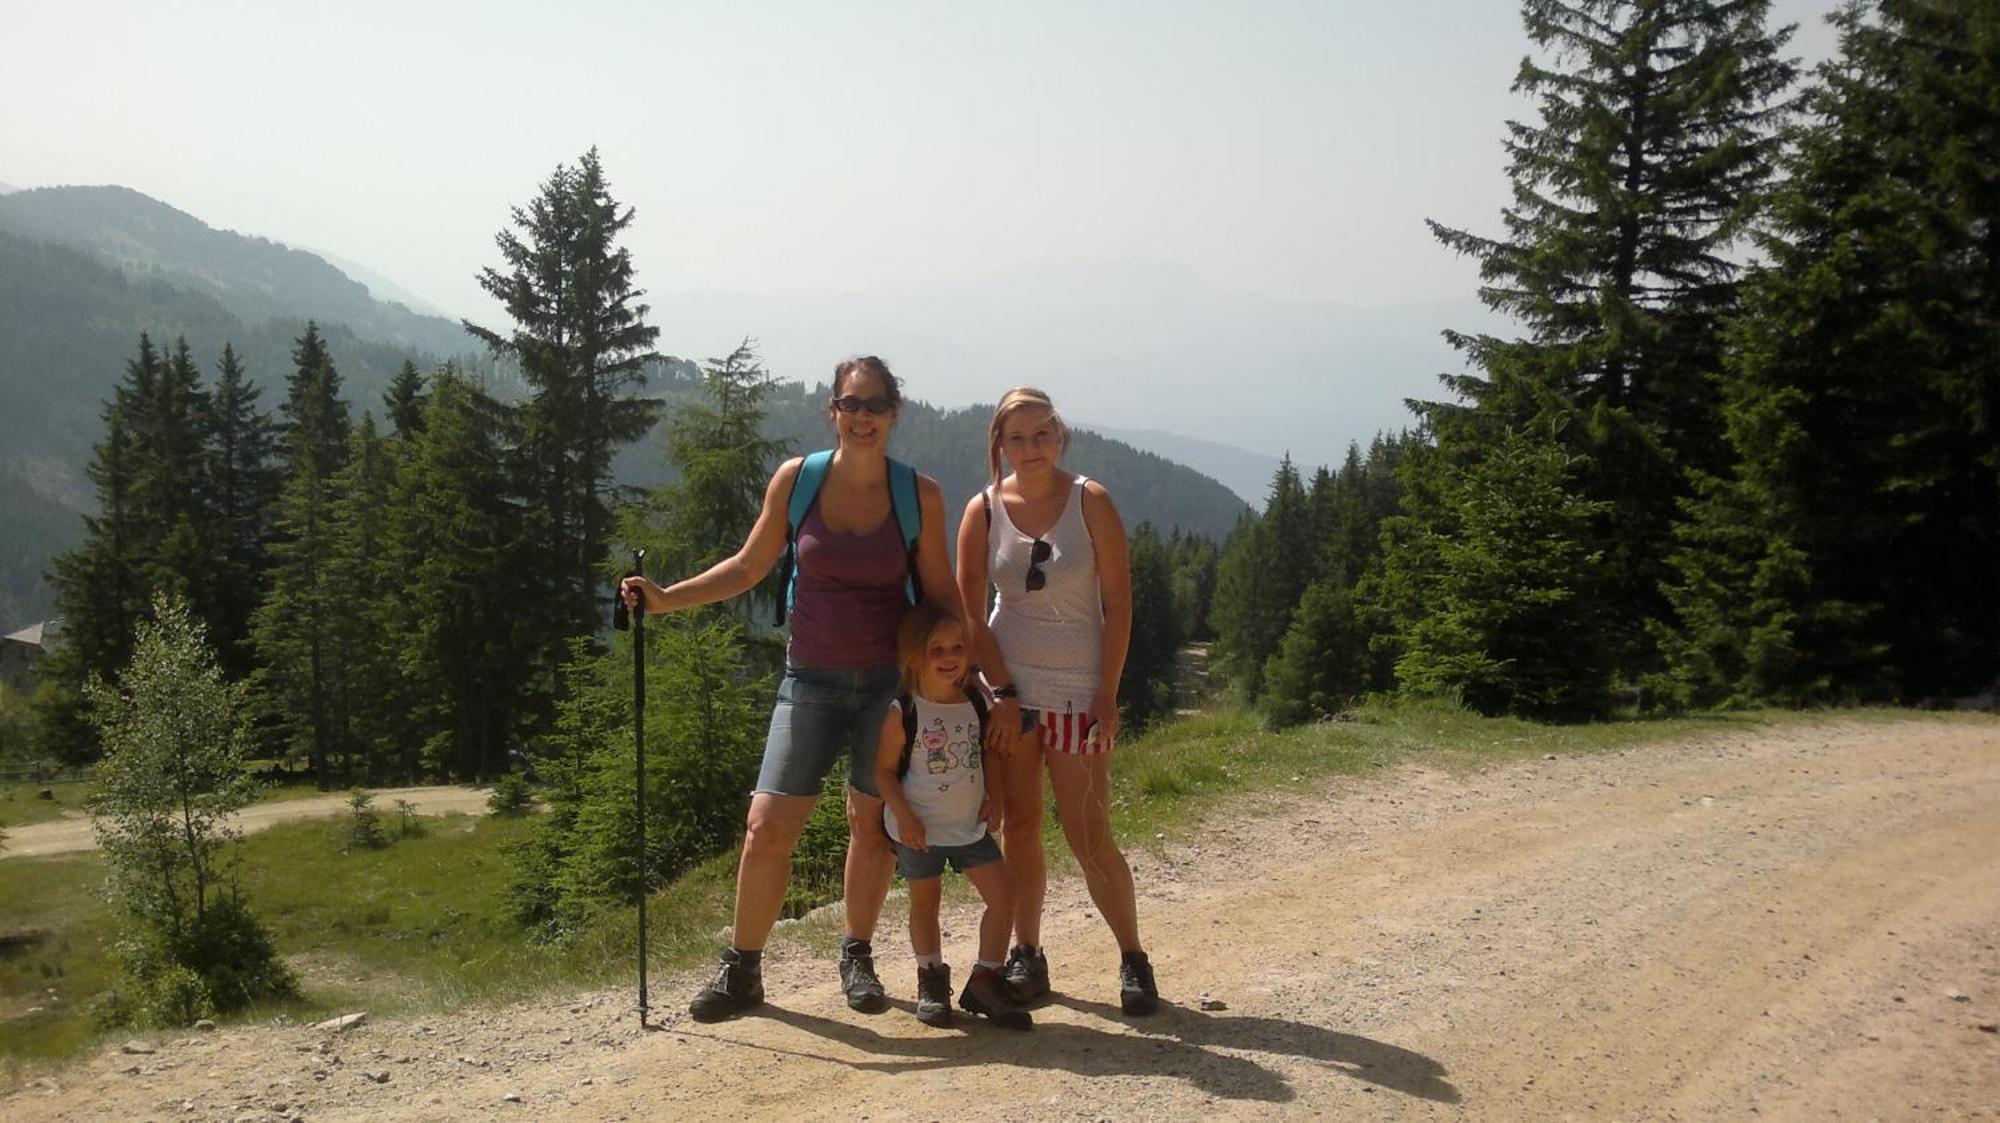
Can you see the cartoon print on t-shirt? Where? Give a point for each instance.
(936, 760)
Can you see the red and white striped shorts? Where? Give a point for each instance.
(1074, 734)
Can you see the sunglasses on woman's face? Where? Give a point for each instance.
(1037, 554)
(849, 403)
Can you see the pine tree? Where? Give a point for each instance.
(363, 685)
(291, 626)
(464, 652)
(718, 450)
(580, 337)
(242, 482)
(1146, 692)
(403, 401)
(1263, 571)
(1321, 666)
(1849, 549)
(1495, 595)
(101, 589)
(1656, 138)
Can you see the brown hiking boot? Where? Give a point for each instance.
(986, 994)
(934, 995)
(736, 988)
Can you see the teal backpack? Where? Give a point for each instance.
(805, 491)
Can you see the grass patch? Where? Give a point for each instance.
(21, 802)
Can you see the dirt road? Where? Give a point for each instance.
(1799, 924)
(72, 832)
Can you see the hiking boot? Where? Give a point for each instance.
(1137, 993)
(934, 995)
(858, 978)
(1027, 974)
(985, 993)
(735, 988)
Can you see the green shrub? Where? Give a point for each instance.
(364, 826)
(511, 796)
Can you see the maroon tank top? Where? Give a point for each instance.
(850, 595)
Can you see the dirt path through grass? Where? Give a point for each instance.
(1797, 923)
(72, 832)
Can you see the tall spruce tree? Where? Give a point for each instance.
(1656, 134)
(242, 482)
(1264, 570)
(1850, 548)
(291, 626)
(580, 337)
(464, 650)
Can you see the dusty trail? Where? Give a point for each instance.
(73, 832)
(1799, 924)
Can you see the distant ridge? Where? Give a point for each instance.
(255, 278)
(1242, 471)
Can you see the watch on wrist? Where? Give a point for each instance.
(1007, 691)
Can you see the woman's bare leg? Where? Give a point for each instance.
(1021, 835)
(775, 822)
(1082, 785)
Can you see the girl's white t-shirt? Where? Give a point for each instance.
(945, 784)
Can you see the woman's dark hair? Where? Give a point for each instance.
(869, 364)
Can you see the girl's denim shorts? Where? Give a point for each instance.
(821, 713)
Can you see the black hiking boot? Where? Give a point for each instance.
(1027, 974)
(934, 995)
(985, 994)
(1137, 994)
(735, 988)
(858, 978)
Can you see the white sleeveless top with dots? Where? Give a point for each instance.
(1051, 638)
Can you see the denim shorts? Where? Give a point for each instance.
(821, 713)
(920, 865)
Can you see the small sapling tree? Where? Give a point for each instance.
(175, 742)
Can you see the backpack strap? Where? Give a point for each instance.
(805, 491)
(978, 700)
(909, 508)
(909, 707)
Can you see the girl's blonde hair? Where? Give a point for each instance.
(1012, 402)
(913, 639)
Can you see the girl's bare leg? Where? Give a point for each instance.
(996, 888)
(925, 896)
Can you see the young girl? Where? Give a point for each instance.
(938, 807)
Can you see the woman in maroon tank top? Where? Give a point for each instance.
(840, 676)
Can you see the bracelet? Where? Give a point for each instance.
(1007, 691)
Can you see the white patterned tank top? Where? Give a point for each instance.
(1052, 638)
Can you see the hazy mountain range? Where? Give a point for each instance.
(84, 270)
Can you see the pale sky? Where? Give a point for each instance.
(1283, 149)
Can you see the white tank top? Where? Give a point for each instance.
(1052, 638)
(945, 785)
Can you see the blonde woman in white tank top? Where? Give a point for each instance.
(1051, 548)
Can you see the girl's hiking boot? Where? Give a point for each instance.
(858, 978)
(734, 989)
(1137, 994)
(985, 994)
(1027, 974)
(934, 995)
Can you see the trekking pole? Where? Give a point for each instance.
(619, 619)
